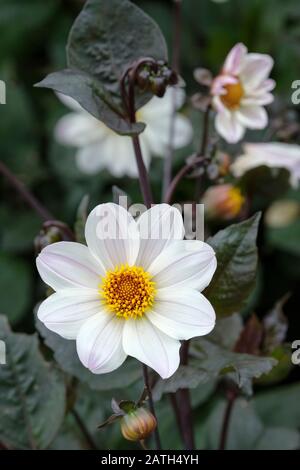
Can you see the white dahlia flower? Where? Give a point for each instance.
(133, 290)
(99, 147)
(273, 155)
(240, 92)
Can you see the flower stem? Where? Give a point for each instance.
(231, 397)
(175, 67)
(143, 175)
(84, 430)
(186, 413)
(203, 148)
(27, 196)
(181, 174)
(151, 405)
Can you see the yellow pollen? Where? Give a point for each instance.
(127, 291)
(233, 96)
(235, 200)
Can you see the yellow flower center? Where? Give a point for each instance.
(127, 291)
(235, 200)
(233, 96)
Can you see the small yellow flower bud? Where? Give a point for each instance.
(224, 202)
(138, 424)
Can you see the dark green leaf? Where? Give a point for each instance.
(105, 40)
(275, 326)
(91, 95)
(217, 361)
(246, 430)
(32, 393)
(184, 377)
(66, 356)
(234, 279)
(278, 439)
(280, 406)
(108, 37)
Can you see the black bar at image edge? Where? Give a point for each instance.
(133, 459)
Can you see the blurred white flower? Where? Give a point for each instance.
(240, 91)
(131, 292)
(282, 213)
(273, 155)
(99, 147)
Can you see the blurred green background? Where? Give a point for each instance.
(33, 38)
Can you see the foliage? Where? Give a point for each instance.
(43, 386)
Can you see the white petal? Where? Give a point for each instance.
(68, 264)
(69, 102)
(159, 227)
(187, 263)
(234, 59)
(142, 340)
(79, 129)
(183, 131)
(182, 313)
(257, 100)
(99, 343)
(255, 70)
(121, 158)
(112, 235)
(66, 311)
(253, 117)
(228, 126)
(90, 159)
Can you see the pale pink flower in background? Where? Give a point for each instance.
(272, 155)
(241, 91)
(130, 295)
(98, 147)
(224, 201)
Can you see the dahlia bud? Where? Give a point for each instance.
(138, 424)
(224, 202)
(47, 237)
(158, 86)
(223, 162)
(143, 79)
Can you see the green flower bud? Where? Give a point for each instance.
(138, 424)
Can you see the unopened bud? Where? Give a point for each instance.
(143, 79)
(47, 237)
(138, 424)
(224, 202)
(158, 86)
(223, 162)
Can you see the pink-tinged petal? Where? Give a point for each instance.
(257, 100)
(159, 227)
(267, 85)
(218, 105)
(220, 82)
(66, 311)
(182, 313)
(112, 235)
(67, 264)
(99, 343)
(229, 127)
(256, 69)
(234, 59)
(142, 340)
(253, 117)
(186, 263)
